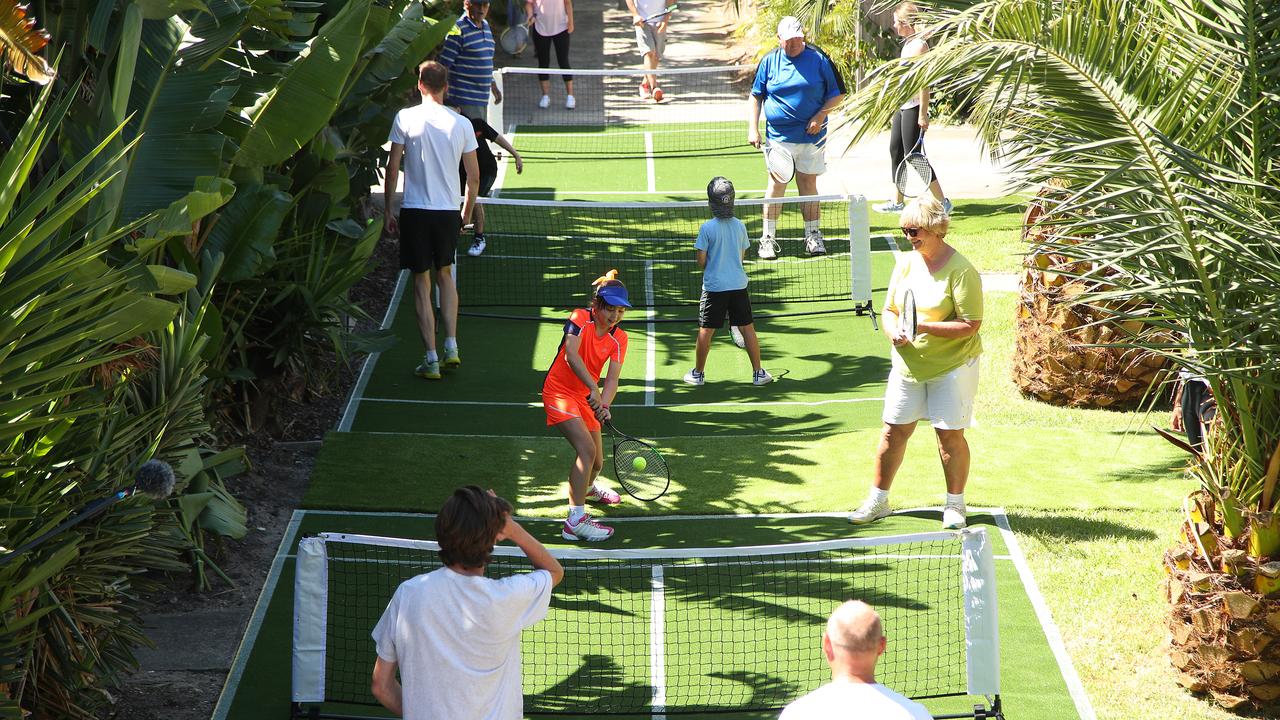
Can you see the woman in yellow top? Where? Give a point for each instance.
(935, 376)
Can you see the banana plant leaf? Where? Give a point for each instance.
(244, 235)
(300, 105)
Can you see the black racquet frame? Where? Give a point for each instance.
(648, 484)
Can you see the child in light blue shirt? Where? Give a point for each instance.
(722, 242)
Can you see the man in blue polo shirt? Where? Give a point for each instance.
(468, 53)
(798, 86)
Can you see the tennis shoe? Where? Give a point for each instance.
(946, 205)
(570, 103)
(693, 377)
(603, 495)
(645, 94)
(477, 246)
(889, 206)
(814, 243)
(429, 369)
(544, 102)
(954, 517)
(761, 377)
(738, 340)
(585, 529)
(871, 510)
(451, 358)
(657, 95)
(768, 249)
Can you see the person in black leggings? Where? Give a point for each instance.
(912, 119)
(552, 24)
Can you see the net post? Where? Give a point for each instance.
(310, 609)
(981, 621)
(859, 251)
(494, 117)
(657, 641)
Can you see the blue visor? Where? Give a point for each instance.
(614, 295)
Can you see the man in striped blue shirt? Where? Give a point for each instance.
(468, 53)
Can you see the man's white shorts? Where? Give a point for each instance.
(945, 401)
(809, 157)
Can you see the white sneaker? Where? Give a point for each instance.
(761, 377)
(768, 249)
(870, 511)
(693, 377)
(570, 103)
(545, 102)
(477, 247)
(814, 245)
(954, 517)
(737, 337)
(890, 206)
(585, 529)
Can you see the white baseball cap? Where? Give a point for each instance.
(789, 27)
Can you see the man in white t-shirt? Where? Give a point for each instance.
(454, 634)
(432, 140)
(854, 640)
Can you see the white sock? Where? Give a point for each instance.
(575, 513)
(879, 495)
(811, 226)
(770, 227)
(450, 343)
(432, 356)
(956, 500)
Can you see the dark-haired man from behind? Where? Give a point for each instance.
(853, 642)
(454, 634)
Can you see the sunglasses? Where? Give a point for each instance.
(911, 231)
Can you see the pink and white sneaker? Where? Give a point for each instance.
(585, 529)
(603, 495)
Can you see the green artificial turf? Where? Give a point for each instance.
(1031, 683)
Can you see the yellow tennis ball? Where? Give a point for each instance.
(639, 463)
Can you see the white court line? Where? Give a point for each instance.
(232, 684)
(651, 342)
(349, 414)
(648, 161)
(502, 167)
(533, 404)
(1051, 633)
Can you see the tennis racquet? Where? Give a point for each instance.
(639, 467)
(908, 318)
(514, 39)
(665, 11)
(914, 174)
(779, 162)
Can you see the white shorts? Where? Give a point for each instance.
(945, 401)
(810, 158)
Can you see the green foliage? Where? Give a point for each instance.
(1160, 119)
(180, 234)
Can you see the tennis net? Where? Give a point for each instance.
(676, 631)
(545, 253)
(703, 112)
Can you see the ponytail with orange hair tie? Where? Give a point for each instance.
(608, 277)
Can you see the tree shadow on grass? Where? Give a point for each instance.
(1071, 527)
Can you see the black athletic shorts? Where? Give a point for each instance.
(428, 238)
(486, 183)
(715, 305)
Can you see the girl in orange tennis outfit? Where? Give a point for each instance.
(576, 404)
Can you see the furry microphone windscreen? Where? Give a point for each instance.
(154, 479)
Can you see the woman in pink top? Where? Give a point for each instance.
(552, 24)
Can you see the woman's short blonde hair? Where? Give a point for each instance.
(926, 212)
(906, 12)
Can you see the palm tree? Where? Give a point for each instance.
(1159, 118)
